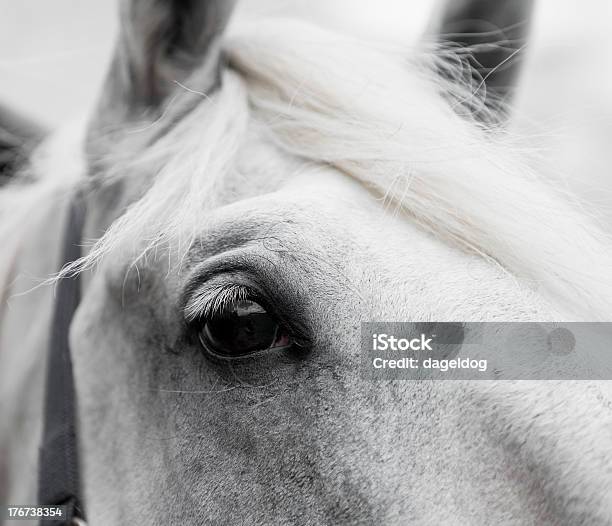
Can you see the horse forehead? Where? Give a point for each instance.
(319, 212)
(346, 232)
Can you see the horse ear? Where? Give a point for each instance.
(495, 31)
(18, 137)
(162, 43)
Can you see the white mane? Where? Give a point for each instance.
(389, 122)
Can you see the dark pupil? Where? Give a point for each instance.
(242, 329)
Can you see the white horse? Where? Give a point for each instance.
(309, 182)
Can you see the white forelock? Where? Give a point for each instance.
(390, 121)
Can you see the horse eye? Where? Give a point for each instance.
(243, 328)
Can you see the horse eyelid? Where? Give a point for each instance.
(207, 302)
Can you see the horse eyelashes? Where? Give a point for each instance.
(208, 302)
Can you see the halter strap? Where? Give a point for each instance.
(58, 482)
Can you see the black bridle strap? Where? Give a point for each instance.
(58, 460)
